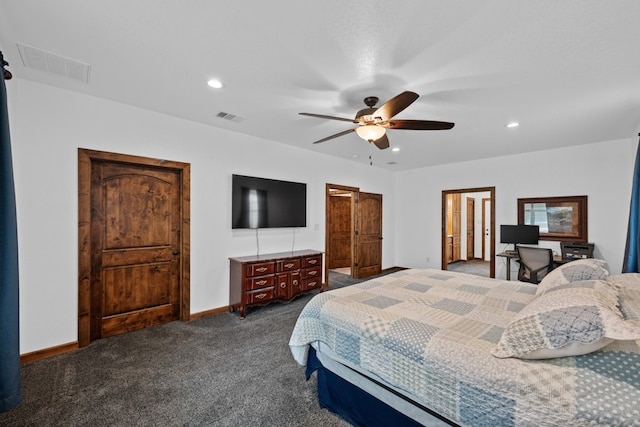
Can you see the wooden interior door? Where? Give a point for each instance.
(456, 226)
(137, 270)
(340, 229)
(471, 239)
(368, 235)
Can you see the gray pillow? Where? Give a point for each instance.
(568, 321)
(574, 271)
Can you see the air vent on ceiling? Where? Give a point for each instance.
(54, 63)
(228, 116)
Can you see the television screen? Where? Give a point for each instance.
(267, 203)
(519, 234)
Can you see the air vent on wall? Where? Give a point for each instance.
(54, 63)
(228, 116)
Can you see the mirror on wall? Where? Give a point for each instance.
(559, 218)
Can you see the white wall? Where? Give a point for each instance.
(601, 171)
(48, 125)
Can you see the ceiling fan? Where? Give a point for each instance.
(373, 122)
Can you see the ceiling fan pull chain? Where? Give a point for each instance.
(370, 161)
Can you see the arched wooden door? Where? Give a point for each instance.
(134, 232)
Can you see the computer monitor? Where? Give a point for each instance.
(519, 234)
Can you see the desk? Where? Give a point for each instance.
(557, 260)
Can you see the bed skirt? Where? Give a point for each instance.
(353, 404)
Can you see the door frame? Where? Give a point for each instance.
(492, 247)
(354, 193)
(485, 200)
(86, 159)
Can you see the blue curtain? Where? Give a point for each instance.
(10, 387)
(632, 249)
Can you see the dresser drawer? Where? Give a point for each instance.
(312, 273)
(288, 265)
(309, 284)
(312, 261)
(260, 296)
(261, 269)
(259, 282)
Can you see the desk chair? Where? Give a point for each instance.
(535, 263)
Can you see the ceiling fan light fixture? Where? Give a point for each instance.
(216, 84)
(370, 132)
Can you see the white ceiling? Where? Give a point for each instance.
(568, 71)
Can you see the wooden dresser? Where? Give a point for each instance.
(262, 279)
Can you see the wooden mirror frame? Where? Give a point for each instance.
(578, 205)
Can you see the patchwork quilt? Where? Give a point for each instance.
(430, 333)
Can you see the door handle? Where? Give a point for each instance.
(176, 252)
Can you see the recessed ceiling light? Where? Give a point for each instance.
(396, 149)
(216, 84)
(513, 125)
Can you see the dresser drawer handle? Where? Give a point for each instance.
(260, 296)
(313, 261)
(261, 282)
(312, 284)
(313, 273)
(295, 283)
(283, 285)
(261, 269)
(289, 265)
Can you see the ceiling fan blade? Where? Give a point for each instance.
(345, 132)
(382, 142)
(418, 124)
(322, 116)
(395, 105)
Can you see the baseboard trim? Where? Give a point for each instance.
(386, 270)
(65, 348)
(48, 352)
(207, 313)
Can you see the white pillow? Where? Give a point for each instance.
(581, 269)
(628, 294)
(628, 280)
(569, 321)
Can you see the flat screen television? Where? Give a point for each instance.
(519, 234)
(267, 203)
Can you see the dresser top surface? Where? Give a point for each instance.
(275, 256)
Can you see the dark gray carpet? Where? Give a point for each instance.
(475, 266)
(216, 371)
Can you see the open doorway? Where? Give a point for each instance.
(353, 239)
(340, 218)
(468, 230)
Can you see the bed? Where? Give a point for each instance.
(432, 347)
